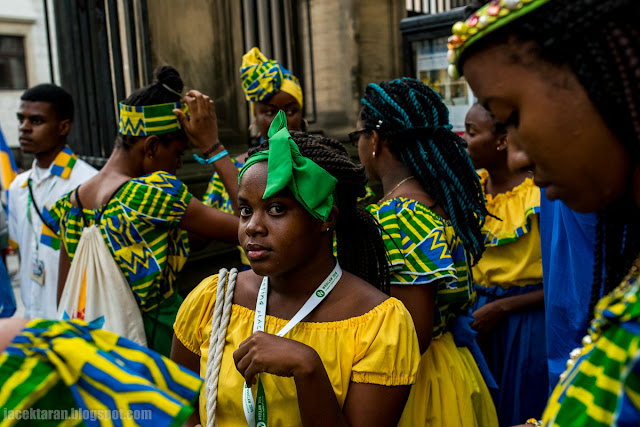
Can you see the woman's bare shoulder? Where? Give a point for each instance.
(352, 298)
(246, 291)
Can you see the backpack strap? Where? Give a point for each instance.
(84, 218)
(113, 195)
(104, 206)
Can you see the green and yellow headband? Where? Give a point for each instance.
(150, 119)
(485, 20)
(310, 184)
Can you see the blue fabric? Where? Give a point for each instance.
(464, 336)
(7, 300)
(567, 244)
(516, 356)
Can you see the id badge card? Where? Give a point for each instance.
(37, 271)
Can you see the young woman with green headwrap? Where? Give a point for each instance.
(351, 359)
(270, 88)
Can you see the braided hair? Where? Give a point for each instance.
(414, 120)
(360, 248)
(600, 42)
(156, 93)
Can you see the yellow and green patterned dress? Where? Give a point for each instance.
(140, 227)
(69, 373)
(601, 386)
(424, 250)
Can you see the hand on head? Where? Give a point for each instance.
(202, 124)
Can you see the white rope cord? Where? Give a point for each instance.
(219, 324)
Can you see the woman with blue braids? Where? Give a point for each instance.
(432, 212)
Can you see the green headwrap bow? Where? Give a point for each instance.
(310, 184)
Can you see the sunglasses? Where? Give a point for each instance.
(354, 136)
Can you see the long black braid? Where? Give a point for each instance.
(414, 120)
(153, 94)
(600, 41)
(360, 248)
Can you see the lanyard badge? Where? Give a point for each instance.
(256, 412)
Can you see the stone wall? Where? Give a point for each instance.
(354, 43)
(25, 18)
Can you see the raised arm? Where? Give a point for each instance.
(202, 129)
(202, 220)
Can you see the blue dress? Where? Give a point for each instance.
(567, 264)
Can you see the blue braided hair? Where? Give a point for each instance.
(414, 120)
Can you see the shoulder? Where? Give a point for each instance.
(513, 213)
(19, 181)
(247, 287)
(405, 208)
(62, 204)
(83, 170)
(352, 297)
(407, 222)
(164, 181)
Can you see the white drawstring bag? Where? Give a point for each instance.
(97, 291)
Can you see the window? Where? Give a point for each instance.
(13, 70)
(431, 69)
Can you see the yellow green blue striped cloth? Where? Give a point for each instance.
(603, 387)
(140, 227)
(149, 119)
(70, 366)
(262, 78)
(423, 249)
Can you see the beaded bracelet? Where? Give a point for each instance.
(210, 159)
(533, 422)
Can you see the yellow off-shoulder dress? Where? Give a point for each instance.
(379, 347)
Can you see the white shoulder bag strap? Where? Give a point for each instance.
(219, 324)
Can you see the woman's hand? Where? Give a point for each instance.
(488, 315)
(486, 318)
(202, 125)
(263, 352)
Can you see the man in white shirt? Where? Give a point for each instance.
(45, 117)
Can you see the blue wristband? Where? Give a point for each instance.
(210, 159)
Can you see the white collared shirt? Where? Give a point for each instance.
(25, 227)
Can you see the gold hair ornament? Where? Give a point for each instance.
(485, 20)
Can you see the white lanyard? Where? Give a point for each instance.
(259, 418)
